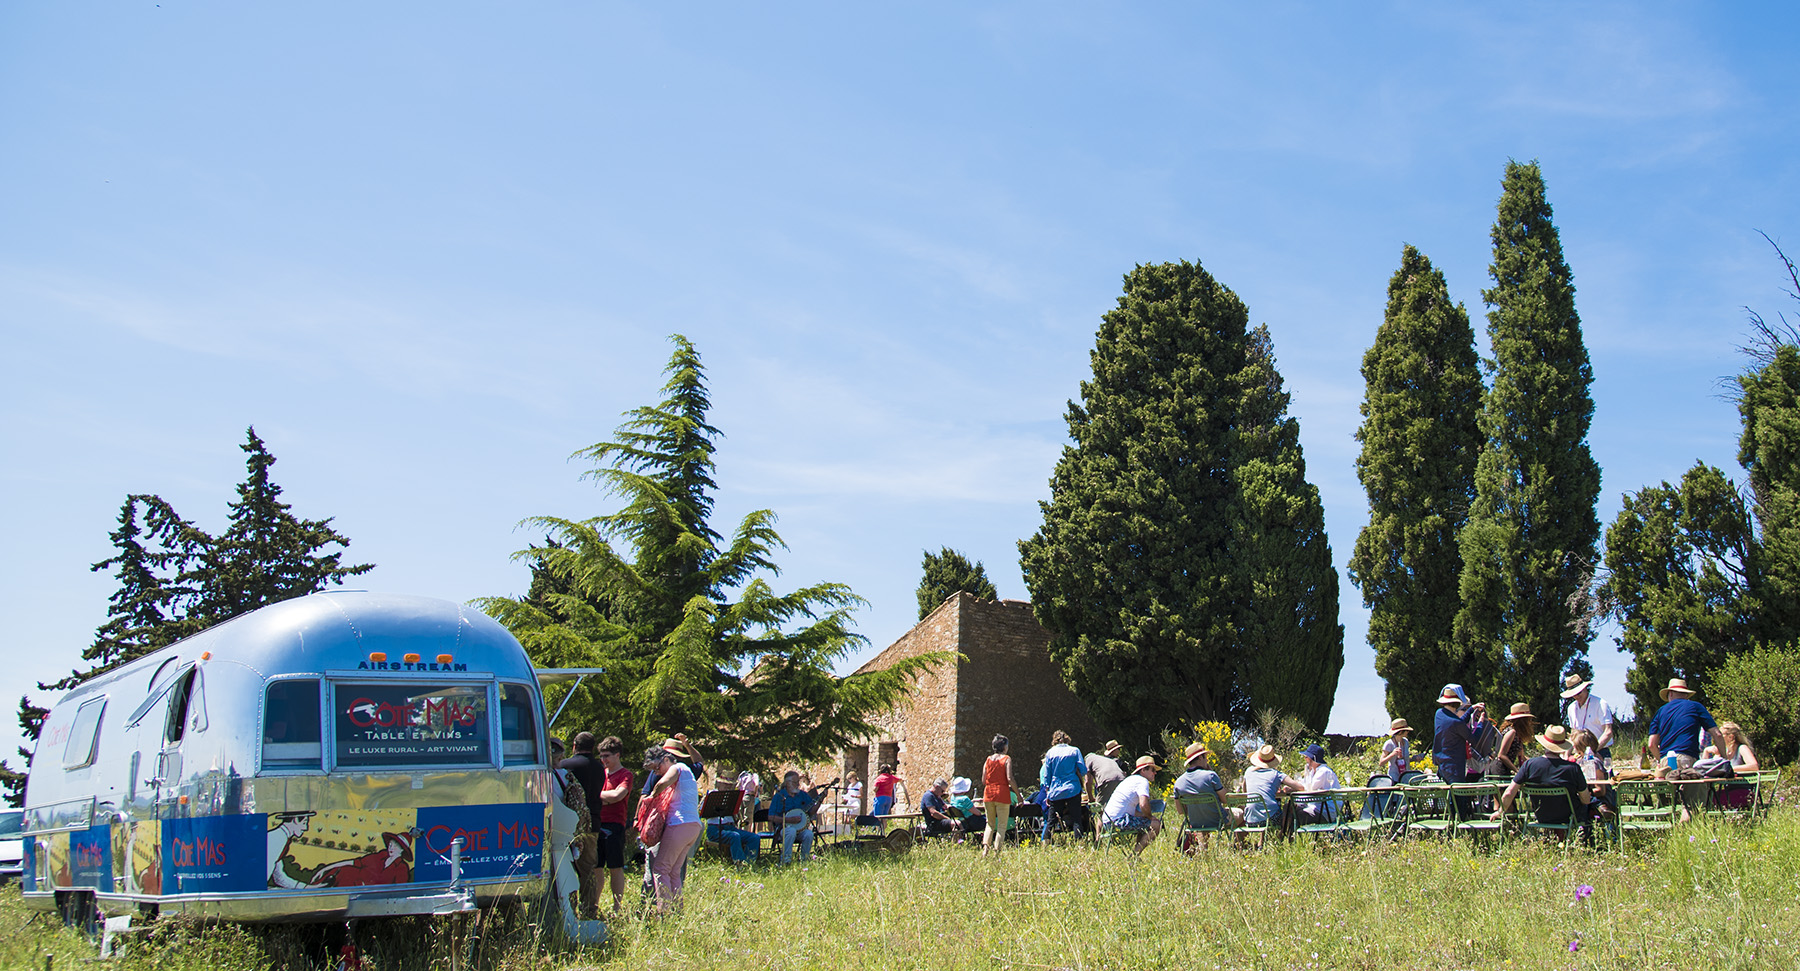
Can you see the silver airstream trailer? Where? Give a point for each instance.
(340, 755)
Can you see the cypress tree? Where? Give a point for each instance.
(1180, 452)
(947, 573)
(1529, 541)
(1292, 646)
(1420, 439)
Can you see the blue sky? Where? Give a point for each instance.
(429, 250)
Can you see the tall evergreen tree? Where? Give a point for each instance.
(1769, 450)
(1679, 562)
(692, 636)
(1529, 541)
(1420, 439)
(1137, 570)
(266, 554)
(947, 573)
(176, 580)
(1292, 646)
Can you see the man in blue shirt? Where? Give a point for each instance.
(1061, 776)
(1678, 723)
(1675, 732)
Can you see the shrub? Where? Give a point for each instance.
(1760, 690)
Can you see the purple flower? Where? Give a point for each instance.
(1574, 945)
(1583, 892)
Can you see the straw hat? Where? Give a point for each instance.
(1265, 757)
(1195, 751)
(1573, 685)
(677, 747)
(1111, 747)
(1146, 762)
(1677, 686)
(1555, 739)
(1399, 726)
(1519, 710)
(1449, 698)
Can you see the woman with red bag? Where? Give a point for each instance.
(678, 794)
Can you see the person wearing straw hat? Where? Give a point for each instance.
(1396, 753)
(1131, 807)
(1104, 773)
(1520, 725)
(1552, 769)
(674, 768)
(1453, 731)
(1200, 778)
(1264, 785)
(1584, 711)
(1676, 729)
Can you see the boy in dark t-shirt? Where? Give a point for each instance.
(1550, 770)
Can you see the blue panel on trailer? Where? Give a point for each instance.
(215, 854)
(498, 840)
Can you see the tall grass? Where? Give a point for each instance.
(1711, 895)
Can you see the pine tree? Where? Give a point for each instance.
(1181, 452)
(948, 573)
(1529, 541)
(266, 554)
(692, 636)
(1420, 439)
(1292, 645)
(1679, 561)
(176, 580)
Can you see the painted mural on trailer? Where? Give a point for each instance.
(310, 850)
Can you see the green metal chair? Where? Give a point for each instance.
(1553, 801)
(1328, 810)
(1202, 804)
(1478, 822)
(1429, 809)
(1236, 800)
(1644, 806)
(1382, 813)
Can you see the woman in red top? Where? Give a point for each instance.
(996, 794)
(885, 782)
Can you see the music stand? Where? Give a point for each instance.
(721, 802)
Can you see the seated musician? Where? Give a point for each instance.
(1552, 769)
(790, 812)
(936, 810)
(742, 845)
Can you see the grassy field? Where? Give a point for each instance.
(1711, 896)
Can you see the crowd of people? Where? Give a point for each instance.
(1467, 745)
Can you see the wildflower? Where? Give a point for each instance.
(1583, 892)
(1575, 945)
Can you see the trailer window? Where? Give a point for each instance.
(187, 708)
(518, 730)
(84, 735)
(391, 724)
(291, 725)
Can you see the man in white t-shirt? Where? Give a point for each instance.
(1583, 710)
(1131, 807)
